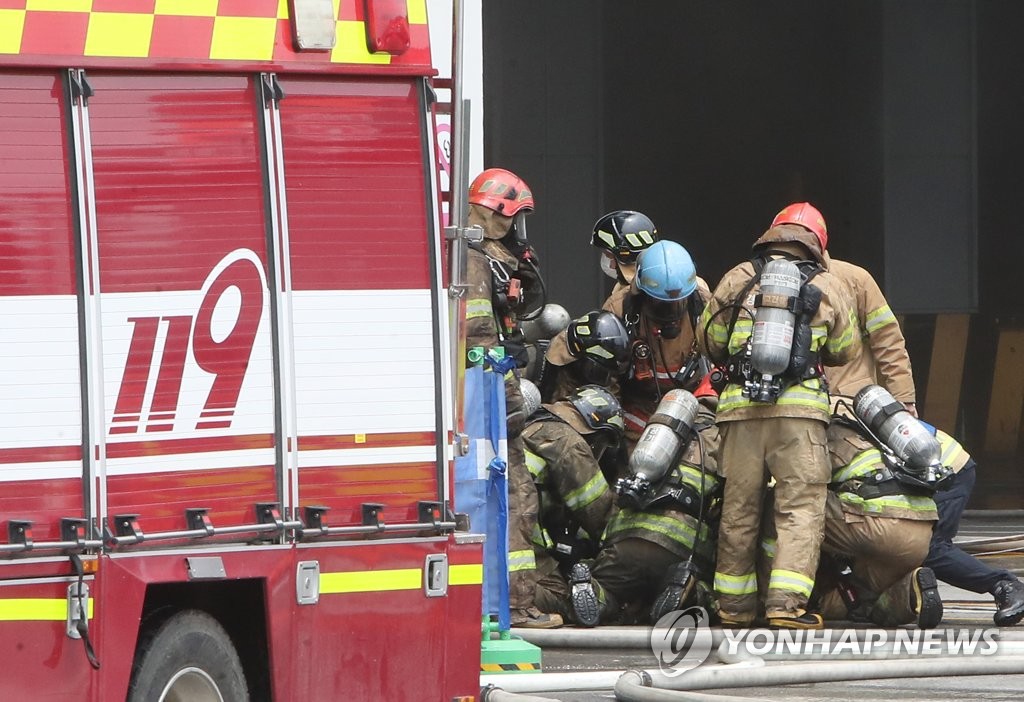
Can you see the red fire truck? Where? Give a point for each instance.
(226, 373)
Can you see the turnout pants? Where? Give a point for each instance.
(522, 517)
(630, 572)
(793, 451)
(884, 552)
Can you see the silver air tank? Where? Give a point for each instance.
(908, 439)
(550, 320)
(531, 396)
(773, 321)
(668, 428)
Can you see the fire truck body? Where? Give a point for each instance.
(225, 426)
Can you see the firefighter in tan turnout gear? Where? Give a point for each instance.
(660, 307)
(883, 358)
(770, 323)
(503, 280)
(564, 443)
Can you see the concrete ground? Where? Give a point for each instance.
(963, 611)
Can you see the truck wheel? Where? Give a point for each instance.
(188, 658)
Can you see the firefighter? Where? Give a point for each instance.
(770, 323)
(621, 236)
(504, 279)
(660, 308)
(884, 360)
(593, 349)
(659, 548)
(877, 530)
(564, 443)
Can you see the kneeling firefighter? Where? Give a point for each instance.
(771, 322)
(503, 280)
(661, 542)
(564, 443)
(879, 514)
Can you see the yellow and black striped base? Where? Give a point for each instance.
(509, 656)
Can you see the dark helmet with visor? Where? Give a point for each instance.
(600, 342)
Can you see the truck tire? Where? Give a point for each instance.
(188, 658)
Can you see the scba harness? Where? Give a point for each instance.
(777, 354)
(507, 295)
(679, 486)
(643, 364)
(892, 477)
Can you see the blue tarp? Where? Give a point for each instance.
(481, 485)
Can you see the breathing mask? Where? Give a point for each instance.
(666, 316)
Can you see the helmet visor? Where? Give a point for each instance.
(594, 373)
(600, 441)
(664, 311)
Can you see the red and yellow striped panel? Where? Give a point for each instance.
(192, 30)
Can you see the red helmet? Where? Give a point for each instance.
(501, 191)
(806, 215)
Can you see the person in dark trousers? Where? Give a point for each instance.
(951, 563)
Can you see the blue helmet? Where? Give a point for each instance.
(665, 271)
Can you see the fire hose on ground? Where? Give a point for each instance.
(739, 670)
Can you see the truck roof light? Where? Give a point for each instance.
(387, 26)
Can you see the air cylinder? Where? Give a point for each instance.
(774, 321)
(657, 451)
(908, 438)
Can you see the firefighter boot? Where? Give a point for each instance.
(679, 585)
(925, 600)
(801, 620)
(1009, 596)
(533, 618)
(585, 603)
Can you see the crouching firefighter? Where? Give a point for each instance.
(502, 279)
(771, 322)
(564, 442)
(886, 465)
(659, 548)
(592, 350)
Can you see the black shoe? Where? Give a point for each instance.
(925, 600)
(1009, 596)
(679, 583)
(584, 600)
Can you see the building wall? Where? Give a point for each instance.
(543, 100)
(900, 119)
